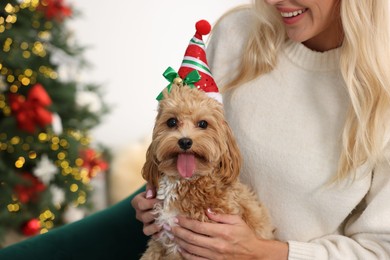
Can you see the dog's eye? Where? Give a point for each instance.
(172, 122)
(203, 124)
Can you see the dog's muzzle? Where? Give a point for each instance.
(185, 143)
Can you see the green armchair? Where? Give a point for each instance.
(112, 233)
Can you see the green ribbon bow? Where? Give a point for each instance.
(170, 74)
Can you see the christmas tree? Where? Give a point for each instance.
(47, 156)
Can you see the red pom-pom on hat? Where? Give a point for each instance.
(203, 27)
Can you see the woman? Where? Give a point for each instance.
(307, 92)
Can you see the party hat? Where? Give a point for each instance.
(194, 70)
(195, 59)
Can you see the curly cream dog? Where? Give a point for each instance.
(194, 162)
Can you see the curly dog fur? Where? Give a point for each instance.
(191, 124)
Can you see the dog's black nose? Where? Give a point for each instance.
(185, 143)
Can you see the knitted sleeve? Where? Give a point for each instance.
(367, 231)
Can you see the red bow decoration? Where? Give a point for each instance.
(30, 190)
(93, 162)
(31, 112)
(55, 9)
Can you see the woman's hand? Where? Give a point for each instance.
(229, 238)
(143, 204)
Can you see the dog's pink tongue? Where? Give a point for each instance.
(186, 164)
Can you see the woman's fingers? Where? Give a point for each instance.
(144, 211)
(150, 191)
(223, 218)
(210, 229)
(191, 232)
(193, 245)
(188, 256)
(194, 225)
(151, 229)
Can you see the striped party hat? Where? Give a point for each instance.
(195, 59)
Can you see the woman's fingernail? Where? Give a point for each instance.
(149, 194)
(166, 227)
(176, 220)
(210, 211)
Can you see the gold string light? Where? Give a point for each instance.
(20, 162)
(32, 155)
(38, 48)
(31, 4)
(48, 72)
(46, 220)
(74, 187)
(13, 207)
(3, 104)
(7, 21)
(82, 198)
(2, 26)
(10, 9)
(7, 44)
(14, 88)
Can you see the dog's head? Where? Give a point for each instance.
(191, 138)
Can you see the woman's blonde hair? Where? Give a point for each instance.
(364, 64)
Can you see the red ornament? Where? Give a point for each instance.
(30, 111)
(31, 227)
(29, 191)
(55, 10)
(93, 162)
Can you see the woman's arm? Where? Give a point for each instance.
(367, 230)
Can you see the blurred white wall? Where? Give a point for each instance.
(130, 44)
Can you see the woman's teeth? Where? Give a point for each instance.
(292, 14)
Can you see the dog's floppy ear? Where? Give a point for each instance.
(231, 158)
(150, 170)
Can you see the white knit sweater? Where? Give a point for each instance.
(288, 124)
